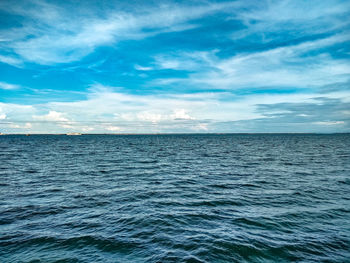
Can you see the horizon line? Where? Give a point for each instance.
(175, 133)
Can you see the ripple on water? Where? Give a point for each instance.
(175, 198)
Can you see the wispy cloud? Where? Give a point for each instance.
(141, 68)
(8, 86)
(11, 60)
(289, 66)
(64, 36)
(274, 21)
(329, 122)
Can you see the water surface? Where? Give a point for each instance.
(175, 198)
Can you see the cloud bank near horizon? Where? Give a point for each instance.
(191, 66)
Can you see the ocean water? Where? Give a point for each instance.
(175, 198)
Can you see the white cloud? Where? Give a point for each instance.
(8, 86)
(303, 17)
(63, 37)
(10, 60)
(113, 128)
(149, 116)
(328, 122)
(186, 60)
(106, 111)
(165, 63)
(279, 67)
(17, 112)
(53, 116)
(141, 68)
(27, 125)
(2, 115)
(86, 129)
(181, 114)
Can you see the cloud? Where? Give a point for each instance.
(274, 21)
(27, 126)
(105, 110)
(328, 122)
(181, 114)
(2, 115)
(15, 113)
(155, 115)
(201, 127)
(8, 86)
(176, 66)
(63, 36)
(297, 66)
(337, 86)
(141, 68)
(52, 116)
(199, 60)
(309, 115)
(86, 129)
(10, 60)
(148, 116)
(113, 128)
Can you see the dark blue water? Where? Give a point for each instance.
(175, 198)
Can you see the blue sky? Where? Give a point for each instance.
(174, 66)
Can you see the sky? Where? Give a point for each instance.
(174, 66)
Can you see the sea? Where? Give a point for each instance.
(175, 198)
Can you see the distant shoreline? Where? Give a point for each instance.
(214, 133)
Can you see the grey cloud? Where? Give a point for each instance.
(325, 115)
(338, 86)
(325, 109)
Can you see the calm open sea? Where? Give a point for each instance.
(175, 198)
